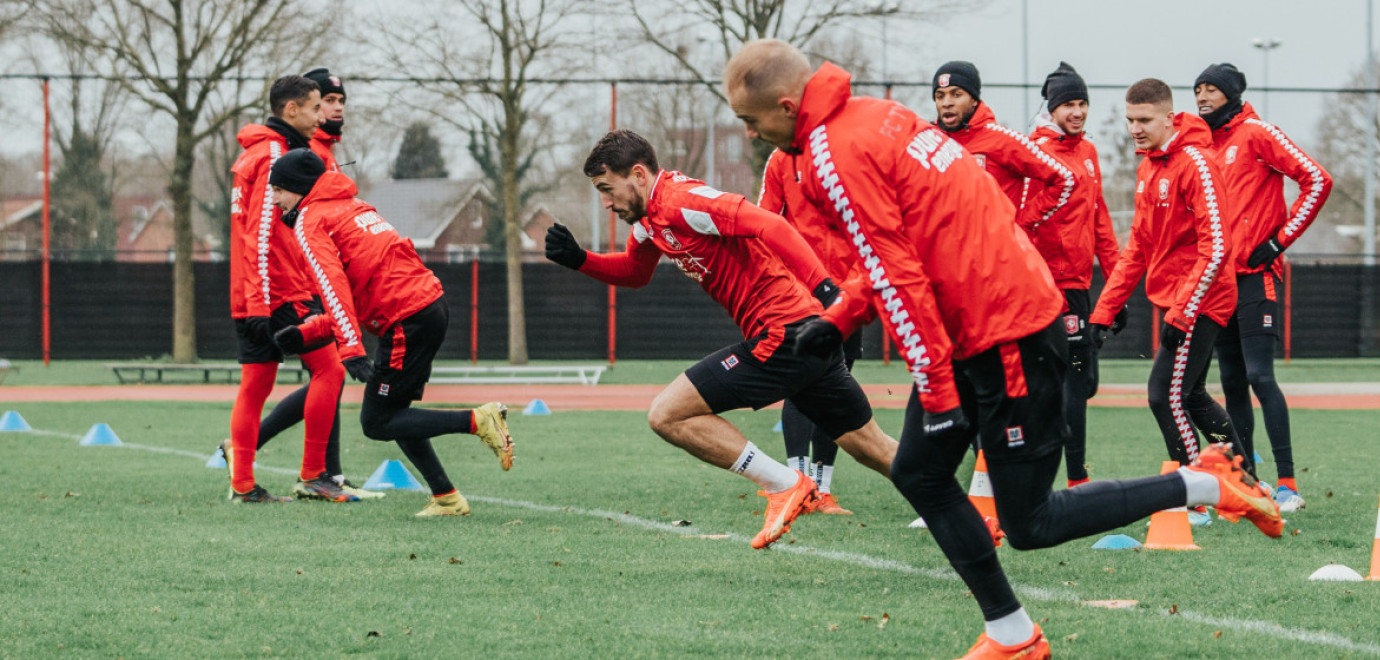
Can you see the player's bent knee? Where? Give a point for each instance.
(374, 422)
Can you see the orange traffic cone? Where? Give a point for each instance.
(1169, 529)
(980, 489)
(1375, 553)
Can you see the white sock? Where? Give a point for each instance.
(825, 475)
(763, 470)
(1011, 629)
(800, 464)
(1203, 489)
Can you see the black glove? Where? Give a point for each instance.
(360, 368)
(290, 340)
(952, 422)
(1265, 253)
(817, 337)
(1172, 337)
(562, 248)
(826, 292)
(256, 329)
(1099, 333)
(1120, 320)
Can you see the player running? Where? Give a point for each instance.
(754, 264)
(372, 280)
(963, 291)
(1254, 157)
(1181, 242)
(1069, 243)
(269, 290)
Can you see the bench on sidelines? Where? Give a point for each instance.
(154, 372)
(577, 374)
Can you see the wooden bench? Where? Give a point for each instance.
(577, 374)
(153, 372)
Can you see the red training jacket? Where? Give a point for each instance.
(1011, 159)
(944, 266)
(265, 269)
(1084, 229)
(1254, 157)
(1181, 236)
(748, 260)
(369, 277)
(782, 194)
(323, 145)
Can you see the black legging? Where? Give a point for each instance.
(1248, 364)
(287, 414)
(1079, 385)
(412, 429)
(801, 434)
(1181, 404)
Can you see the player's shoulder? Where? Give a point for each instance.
(681, 191)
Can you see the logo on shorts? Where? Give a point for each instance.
(1164, 189)
(1014, 437)
(1071, 324)
(943, 80)
(729, 362)
(383, 389)
(1269, 321)
(1231, 154)
(981, 160)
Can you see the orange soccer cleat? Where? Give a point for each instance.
(829, 505)
(1035, 648)
(784, 507)
(1241, 494)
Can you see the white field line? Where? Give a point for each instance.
(1253, 626)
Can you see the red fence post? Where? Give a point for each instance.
(47, 229)
(474, 310)
(613, 236)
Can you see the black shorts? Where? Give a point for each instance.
(1014, 393)
(402, 364)
(1075, 319)
(1257, 304)
(253, 351)
(760, 371)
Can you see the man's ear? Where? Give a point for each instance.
(789, 105)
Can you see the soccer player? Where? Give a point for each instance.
(754, 264)
(1069, 243)
(1004, 153)
(371, 279)
(289, 411)
(1254, 157)
(781, 195)
(1181, 242)
(269, 290)
(960, 287)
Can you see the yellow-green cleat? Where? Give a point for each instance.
(453, 504)
(491, 425)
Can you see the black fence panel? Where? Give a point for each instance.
(21, 309)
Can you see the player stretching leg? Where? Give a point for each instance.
(754, 264)
(959, 287)
(1254, 157)
(372, 279)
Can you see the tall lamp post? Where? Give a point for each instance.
(1266, 45)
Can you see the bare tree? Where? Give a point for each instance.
(492, 78)
(173, 56)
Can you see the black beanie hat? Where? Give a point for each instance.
(1225, 77)
(297, 171)
(328, 83)
(959, 74)
(1062, 86)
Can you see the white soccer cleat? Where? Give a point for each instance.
(1288, 500)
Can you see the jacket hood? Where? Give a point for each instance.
(1247, 112)
(253, 134)
(1189, 130)
(323, 136)
(825, 94)
(331, 185)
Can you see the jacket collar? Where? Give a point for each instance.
(331, 185)
(1189, 130)
(825, 94)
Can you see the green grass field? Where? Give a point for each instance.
(134, 552)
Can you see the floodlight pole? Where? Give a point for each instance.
(1266, 45)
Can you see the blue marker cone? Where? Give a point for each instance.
(392, 475)
(1258, 459)
(778, 427)
(1116, 542)
(537, 407)
(217, 460)
(12, 421)
(100, 435)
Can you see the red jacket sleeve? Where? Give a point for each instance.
(327, 271)
(1130, 267)
(633, 267)
(772, 197)
(1201, 186)
(1057, 182)
(1315, 184)
(780, 237)
(257, 224)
